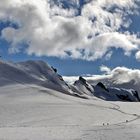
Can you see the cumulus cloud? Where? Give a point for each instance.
(138, 55)
(105, 69)
(50, 29)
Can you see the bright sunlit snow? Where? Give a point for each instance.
(69, 70)
(29, 110)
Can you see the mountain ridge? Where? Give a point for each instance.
(40, 73)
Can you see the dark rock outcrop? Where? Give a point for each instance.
(102, 86)
(124, 97)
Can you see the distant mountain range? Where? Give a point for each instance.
(40, 73)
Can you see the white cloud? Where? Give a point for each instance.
(70, 79)
(105, 69)
(51, 30)
(108, 55)
(109, 14)
(138, 55)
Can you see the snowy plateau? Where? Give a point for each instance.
(37, 104)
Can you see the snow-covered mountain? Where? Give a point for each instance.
(119, 77)
(83, 87)
(105, 93)
(40, 73)
(32, 72)
(115, 94)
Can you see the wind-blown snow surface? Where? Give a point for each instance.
(30, 112)
(36, 104)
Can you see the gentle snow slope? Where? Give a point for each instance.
(36, 113)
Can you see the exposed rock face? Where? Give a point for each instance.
(102, 86)
(135, 93)
(124, 97)
(82, 80)
(55, 70)
(83, 86)
(115, 94)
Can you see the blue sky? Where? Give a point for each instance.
(75, 63)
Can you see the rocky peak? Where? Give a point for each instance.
(82, 80)
(100, 84)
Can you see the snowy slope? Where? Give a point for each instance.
(33, 108)
(36, 113)
(32, 72)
